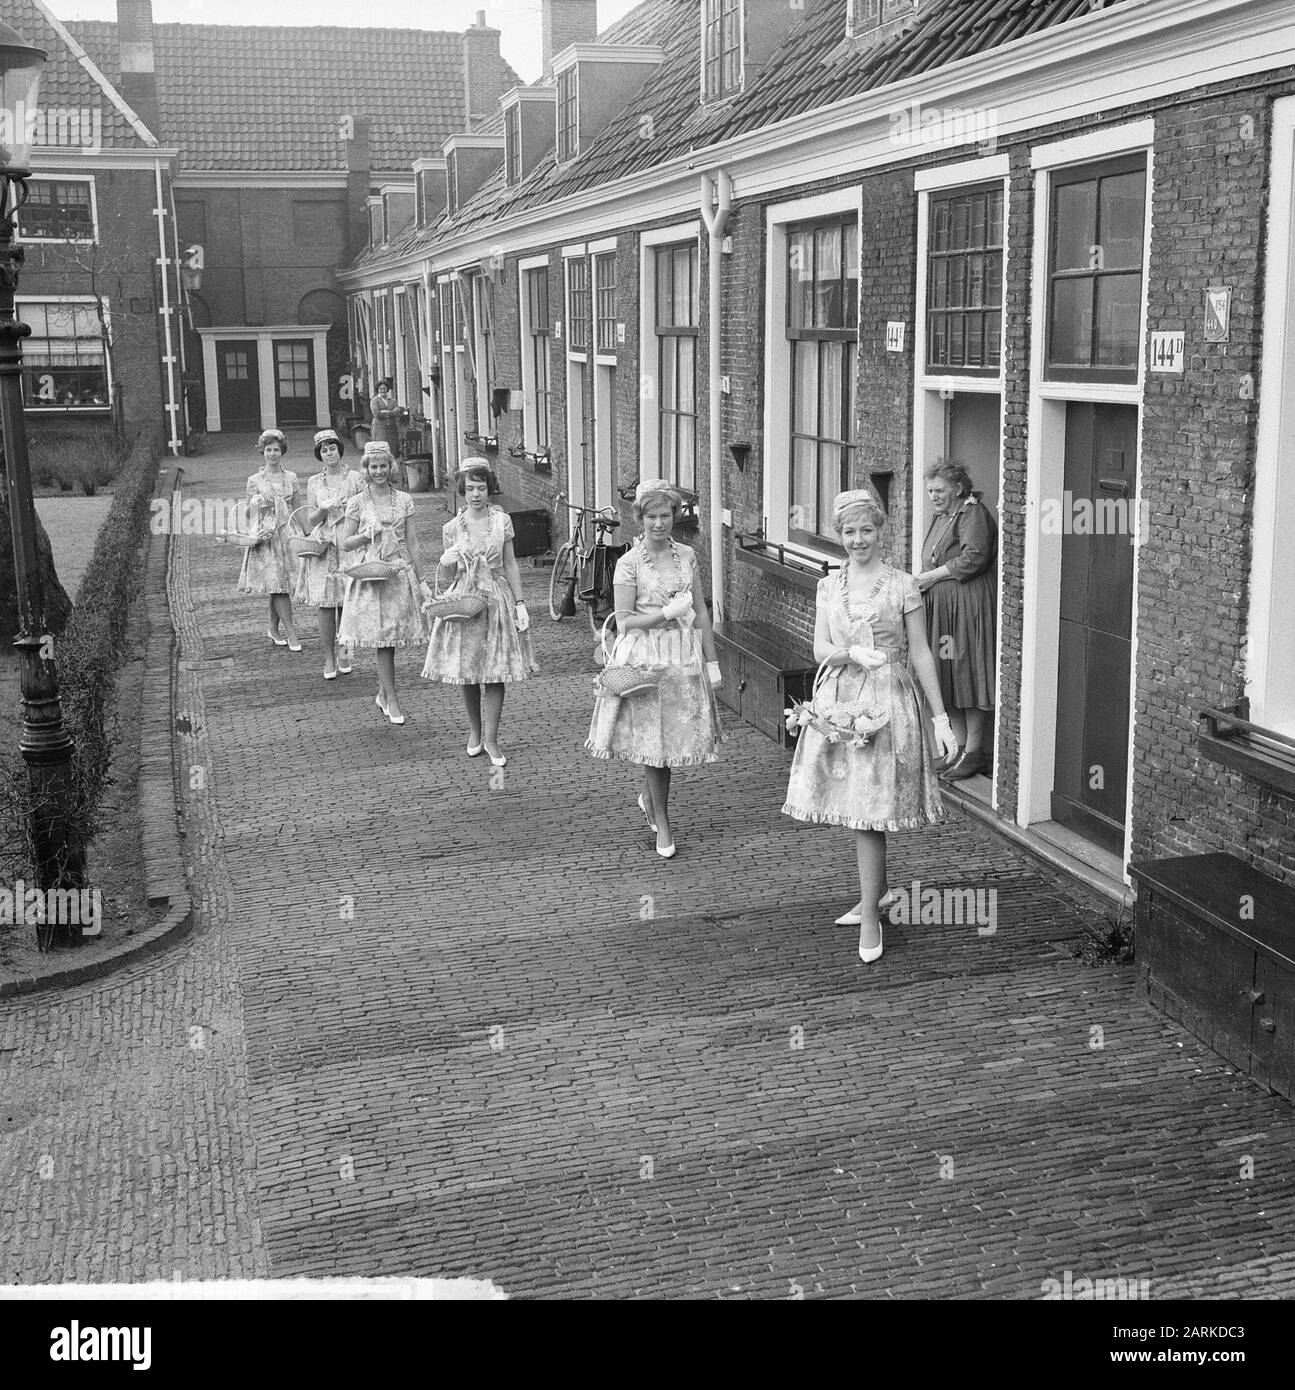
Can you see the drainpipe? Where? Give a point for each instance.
(434, 400)
(172, 404)
(716, 199)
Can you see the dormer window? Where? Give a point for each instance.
(374, 204)
(451, 182)
(513, 145)
(721, 48)
(870, 23)
(568, 112)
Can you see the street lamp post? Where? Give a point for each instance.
(45, 745)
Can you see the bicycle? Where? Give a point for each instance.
(574, 555)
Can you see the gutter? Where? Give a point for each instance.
(716, 200)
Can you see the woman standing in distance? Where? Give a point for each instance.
(663, 625)
(383, 614)
(319, 585)
(959, 549)
(869, 624)
(488, 652)
(386, 417)
(268, 568)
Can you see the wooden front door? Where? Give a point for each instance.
(238, 385)
(294, 382)
(1090, 781)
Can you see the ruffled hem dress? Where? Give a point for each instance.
(487, 649)
(319, 585)
(676, 722)
(270, 568)
(960, 611)
(890, 782)
(387, 612)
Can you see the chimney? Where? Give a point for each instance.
(566, 22)
(354, 134)
(483, 73)
(138, 78)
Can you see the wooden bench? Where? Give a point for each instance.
(1215, 949)
(764, 669)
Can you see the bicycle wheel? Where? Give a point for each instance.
(564, 570)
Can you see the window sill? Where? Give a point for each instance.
(1262, 755)
(773, 558)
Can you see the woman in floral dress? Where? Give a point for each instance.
(319, 585)
(382, 614)
(863, 759)
(664, 628)
(269, 567)
(485, 653)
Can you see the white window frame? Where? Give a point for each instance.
(530, 384)
(83, 299)
(575, 360)
(481, 350)
(449, 388)
(1268, 650)
(930, 393)
(1044, 475)
(777, 396)
(574, 152)
(93, 240)
(678, 234)
(740, 87)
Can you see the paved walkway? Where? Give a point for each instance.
(535, 1053)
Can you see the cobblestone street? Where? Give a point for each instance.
(537, 1054)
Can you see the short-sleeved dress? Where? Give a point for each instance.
(385, 429)
(388, 612)
(318, 583)
(890, 783)
(270, 568)
(961, 608)
(676, 723)
(487, 649)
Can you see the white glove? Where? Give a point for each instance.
(677, 607)
(868, 657)
(523, 618)
(713, 672)
(451, 557)
(948, 745)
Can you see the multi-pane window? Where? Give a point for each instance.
(64, 362)
(452, 182)
(677, 333)
(578, 304)
(1095, 266)
(292, 369)
(605, 300)
(58, 211)
(964, 304)
(537, 314)
(375, 222)
(513, 144)
(568, 127)
(823, 333)
(722, 51)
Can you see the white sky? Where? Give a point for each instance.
(519, 21)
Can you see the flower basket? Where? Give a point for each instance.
(306, 546)
(451, 607)
(372, 571)
(851, 722)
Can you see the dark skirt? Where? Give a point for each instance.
(960, 627)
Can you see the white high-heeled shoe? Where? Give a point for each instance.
(870, 953)
(854, 919)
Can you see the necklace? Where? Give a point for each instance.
(651, 562)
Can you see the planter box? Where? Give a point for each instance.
(1215, 949)
(763, 670)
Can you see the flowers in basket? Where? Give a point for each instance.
(851, 722)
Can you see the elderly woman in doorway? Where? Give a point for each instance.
(665, 630)
(387, 417)
(958, 585)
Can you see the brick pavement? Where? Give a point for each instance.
(540, 1055)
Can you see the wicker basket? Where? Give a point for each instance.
(372, 571)
(305, 546)
(454, 608)
(620, 680)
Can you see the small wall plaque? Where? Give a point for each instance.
(1167, 352)
(895, 336)
(1218, 313)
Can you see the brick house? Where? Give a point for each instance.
(1024, 234)
(289, 141)
(95, 228)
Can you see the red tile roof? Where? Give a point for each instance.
(251, 98)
